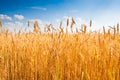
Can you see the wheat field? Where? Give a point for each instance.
(60, 55)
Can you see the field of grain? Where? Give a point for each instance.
(60, 55)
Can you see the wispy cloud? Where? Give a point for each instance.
(18, 17)
(5, 17)
(39, 8)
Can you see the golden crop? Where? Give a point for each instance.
(59, 55)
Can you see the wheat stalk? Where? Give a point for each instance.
(90, 23)
(48, 28)
(61, 28)
(108, 31)
(85, 28)
(53, 28)
(104, 30)
(28, 23)
(72, 24)
(36, 27)
(0, 24)
(117, 28)
(114, 31)
(77, 30)
(67, 22)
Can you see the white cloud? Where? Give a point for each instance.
(5, 17)
(17, 23)
(9, 24)
(18, 17)
(12, 24)
(39, 8)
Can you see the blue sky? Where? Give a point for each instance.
(102, 12)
